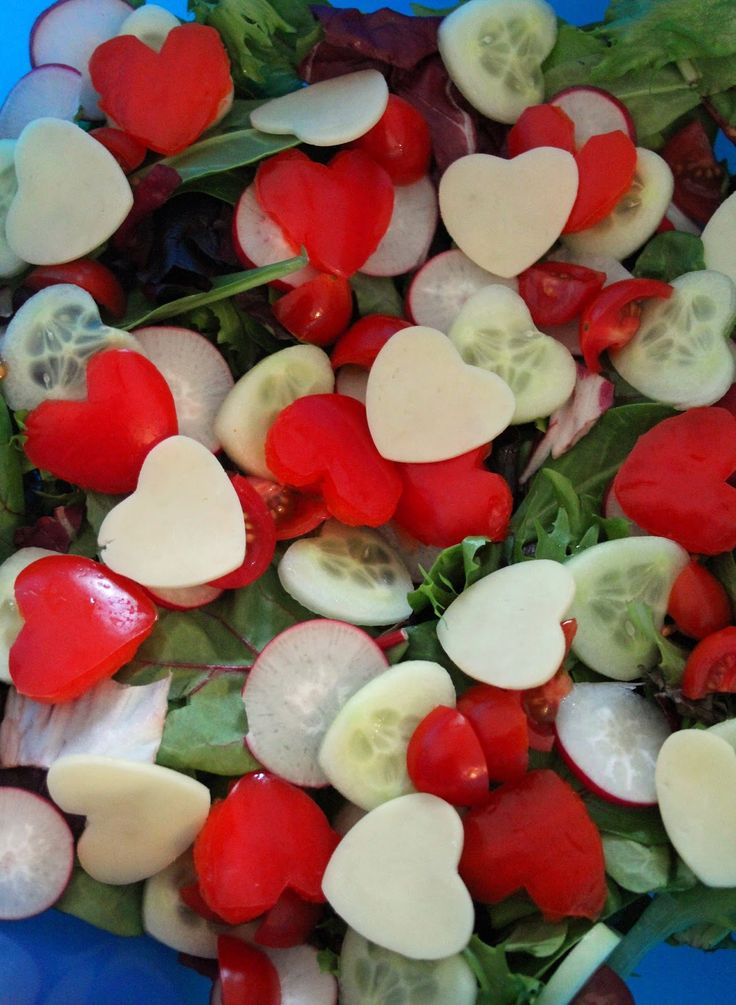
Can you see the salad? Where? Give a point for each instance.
(367, 442)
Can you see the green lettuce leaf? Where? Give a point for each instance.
(670, 255)
(637, 867)
(12, 500)
(498, 984)
(117, 909)
(376, 295)
(453, 571)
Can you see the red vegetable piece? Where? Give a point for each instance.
(504, 851)
(294, 513)
(288, 923)
(698, 602)
(500, 724)
(611, 320)
(100, 443)
(606, 166)
(82, 623)
(325, 206)
(541, 703)
(605, 987)
(153, 190)
(265, 837)
(674, 483)
(444, 757)
(699, 178)
(541, 126)
(363, 341)
(400, 142)
(247, 976)
(260, 537)
(711, 665)
(444, 501)
(94, 277)
(557, 292)
(192, 898)
(316, 311)
(165, 99)
(322, 442)
(126, 150)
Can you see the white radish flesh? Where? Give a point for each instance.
(443, 284)
(297, 686)
(404, 246)
(49, 90)
(259, 240)
(151, 24)
(36, 851)
(594, 111)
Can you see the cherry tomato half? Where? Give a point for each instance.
(444, 757)
(260, 537)
(247, 976)
(699, 178)
(500, 724)
(295, 513)
(316, 311)
(698, 602)
(127, 151)
(711, 665)
(557, 292)
(400, 142)
(611, 320)
(94, 277)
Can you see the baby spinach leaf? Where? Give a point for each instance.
(216, 154)
(641, 825)
(376, 295)
(536, 937)
(670, 255)
(635, 866)
(498, 985)
(117, 909)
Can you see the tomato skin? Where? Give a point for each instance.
(294, 513)
(364, 339)
(557, 292)
(260, 536)
(611, 320)
(541, 126)
(317, 311)
(698, 603)
(444, 757)
(699, 178)
(127, 151)
(606, 165)
(500, 724)
(542, 703)
(711, 665)
(288, 923)
(400, 142)
(94, 277)
(247, 976)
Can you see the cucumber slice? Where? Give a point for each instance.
(494, 330)
(372, 975)
(348, 573)
(10, 264)
(579, 965)
(635, 217)
(10, 620)
(681, 354)
(249, 410)
(493, 51)
(608, 578)
(47, 344)
(363, 753)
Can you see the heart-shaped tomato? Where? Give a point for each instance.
(101, 443)
(164, 99)
(82, 623)
(265, 837)
(338, 211)
(606, 165)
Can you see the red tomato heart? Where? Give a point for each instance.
(674, 483)
(322, 441)
(338, 211)
(82, 623)
(444, 501)
(164, 99)
(606, 165)
(101, 443)
(265, 837)
(444, 757)
(564, 874)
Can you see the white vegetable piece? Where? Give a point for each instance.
(301, 978)
(10, 263)
(579, 965)
(328, 113)
(259, 240)
(505, 214)
(72, 194)
(505, 629)
(140, 817)
(726, 730)
(352, 381)
(10, 620)
(718, 239)
(249, 410)
(151, 24)
(48, 91)
(182, 526)
(424, 403)
(393, 878)
(696, 789)
(404, 246)
(493, 51)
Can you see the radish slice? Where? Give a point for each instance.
(69, 31)
(151, 24)
(411, 229)
(442, 286)
(297, 686)
(303, 982)
(186, 598)
(197, 375)
(594, 111)
(36, 851)
(50, 90)
(610, 737)
(259, 240)
(579, 965)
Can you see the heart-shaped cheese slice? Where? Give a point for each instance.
(72, 194)
(140, 817)
(696, 791)
(330, 112)
(425, 404)
(505, 629)
(505, 214)
(183, 525)
(393, 878)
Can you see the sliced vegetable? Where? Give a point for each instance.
(444, 757)
(613, 317)
(400, 141)
(318, 310)
(698, 603)
(90, 275)
(557, 292)
(711, 666)
(500, 723)
(260, 538)
(47, 91)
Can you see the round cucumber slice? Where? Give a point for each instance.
(494, 330)
(635, 217)
(10, 264)
(681, 354)
(579, 965)
(348, 573)
(363, 753)
(249, 410)
(372, 975)
(608, 578)
(493, 51)
(10, 620)
(46, 346)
